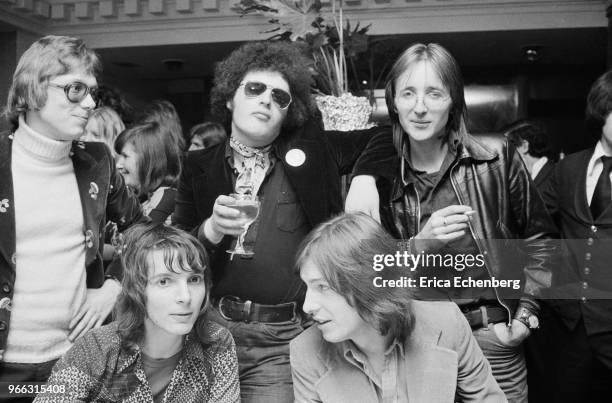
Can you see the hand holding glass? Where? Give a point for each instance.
(248, 206)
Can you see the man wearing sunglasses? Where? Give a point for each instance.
(276, 150)
(55, 196)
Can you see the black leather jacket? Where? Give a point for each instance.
(490, 176)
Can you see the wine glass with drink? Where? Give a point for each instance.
(248, 205)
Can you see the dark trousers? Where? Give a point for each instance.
(263, 358)
(541, 354)
(10, 373)
(583, 365)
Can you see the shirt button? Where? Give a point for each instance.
(590, 241)
(587, 271)
(585, 285)
(583, 299)
(587, 256)
(593, 228)
(2, 326)
(6, 287)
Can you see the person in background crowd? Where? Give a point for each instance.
(277, 151)
(104, 125)
(164, 113)
(206, 135)
(150, 161)
(373, 344)
(578, 196)
(111, 97)
(56, 195)
(457, 195)
(533, 143)
(162, 347)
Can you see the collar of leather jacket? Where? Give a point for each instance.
(478, 148)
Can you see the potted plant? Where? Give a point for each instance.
(334, 46)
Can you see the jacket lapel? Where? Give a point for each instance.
(544, 174)
(430, 372)
(581, 203)
(213, 178)
(7, 207)
(92, 190)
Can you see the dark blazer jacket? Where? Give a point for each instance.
(544, 175)
(443, 361)
(583, 286)
(104, 196)
(329, 155)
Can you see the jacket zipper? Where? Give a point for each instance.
(418, 210)
(478, 244)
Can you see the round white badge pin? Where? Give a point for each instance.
(295, 157)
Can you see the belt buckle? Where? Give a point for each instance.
(246, 310)
(485, 316)
(223, 315)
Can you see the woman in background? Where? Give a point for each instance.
(164, 113)
(373, 343)
(103, 126)
(162, 347)
(149, 160)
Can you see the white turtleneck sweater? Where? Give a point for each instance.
(50, 281)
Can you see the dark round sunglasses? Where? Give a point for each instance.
(77, 91)
(254, 89)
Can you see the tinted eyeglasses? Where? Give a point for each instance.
(77, 91)
(254, 89)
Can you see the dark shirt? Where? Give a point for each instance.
(159, 373)
(435, 192)
(269, 276)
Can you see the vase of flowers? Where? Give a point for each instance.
(334, 46)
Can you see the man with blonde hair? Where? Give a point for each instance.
(56, 194)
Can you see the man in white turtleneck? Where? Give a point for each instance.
(55, 196)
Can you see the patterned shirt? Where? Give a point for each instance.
(98, 369)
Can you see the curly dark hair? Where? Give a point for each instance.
(285, 58)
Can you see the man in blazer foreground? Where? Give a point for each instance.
(578, 197)
(374, 343)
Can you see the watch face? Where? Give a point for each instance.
(534, 323)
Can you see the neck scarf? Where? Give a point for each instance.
(252, 163)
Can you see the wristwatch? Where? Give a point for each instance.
(528, 318)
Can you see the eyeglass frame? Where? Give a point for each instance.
(423, 98)
(92, 91)
(244, 83)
